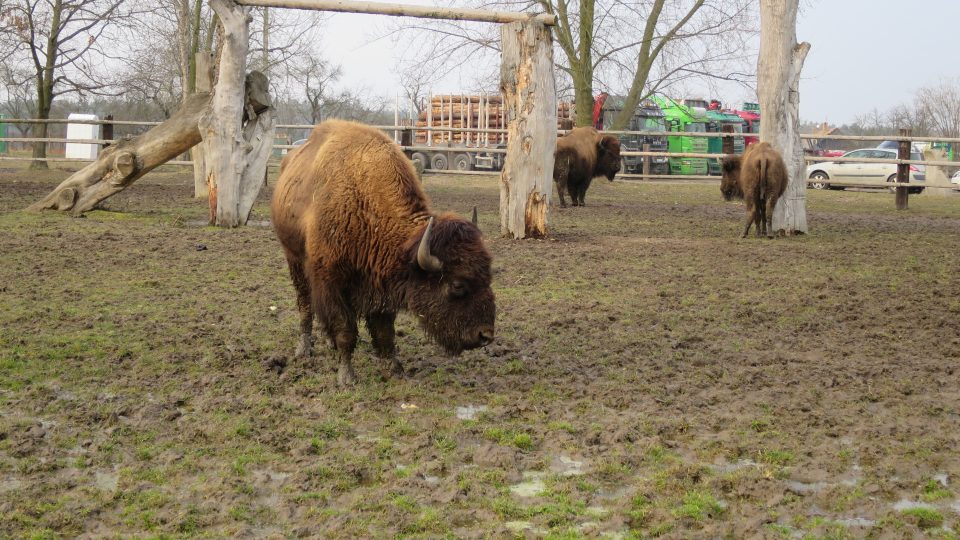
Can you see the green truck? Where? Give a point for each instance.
(646, 117)
(716, 120)
(681, 118)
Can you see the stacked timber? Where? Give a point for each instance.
(472, 112)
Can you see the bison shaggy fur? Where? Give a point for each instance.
(361, 240)
(582, 155)
(759, 177)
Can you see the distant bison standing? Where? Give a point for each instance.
(360, 240)
(759, 177)
(582, 155)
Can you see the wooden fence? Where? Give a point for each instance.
(902, 161)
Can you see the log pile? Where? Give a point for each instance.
(471, 112)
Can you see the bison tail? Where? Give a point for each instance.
(763, 180)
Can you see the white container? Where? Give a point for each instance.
(82, 131)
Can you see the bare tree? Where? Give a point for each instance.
(599, 44)
(314, 77)
(415, 80)
(940, 105)
(61, 42)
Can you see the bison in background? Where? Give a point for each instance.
(759, 177)
(582, 155)
(361, 241)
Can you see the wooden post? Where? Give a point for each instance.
(646, 162)
(530, 114)
(107, 134)
(728, 146)
(778, 79)
(237, 130)
(903, 170)
(204, 83)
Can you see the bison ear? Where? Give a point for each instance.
(731, 164)
(608, 143)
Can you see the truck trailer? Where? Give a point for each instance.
(681, 118)
(646, 117)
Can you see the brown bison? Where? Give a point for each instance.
(759, 178)
(360, 240)
(581, 155)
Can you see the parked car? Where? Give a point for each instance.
(297, 142)
(863, 173)
(955, 179)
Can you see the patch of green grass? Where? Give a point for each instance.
(639, 513)
(776, 457)
(934, 491)
(698, 505)
(509, 437)
(562, 426)
(925, 518)
(445, 444)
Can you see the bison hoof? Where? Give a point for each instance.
(396, 370)
(346, 376)
(304, 349)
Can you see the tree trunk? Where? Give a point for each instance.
(203, 84)
(122, 163)
(237, 133)
(45, 85)
(530, 105)
(778, 78)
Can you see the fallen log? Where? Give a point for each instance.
(125, 161)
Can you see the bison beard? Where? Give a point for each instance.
(759, 177)
(582, 155)
(360, 240)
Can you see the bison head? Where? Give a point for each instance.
(450, 287)
(608, 156)
(730, 183)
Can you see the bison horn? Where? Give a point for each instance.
(474, 217)
(427, 261)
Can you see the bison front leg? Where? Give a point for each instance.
(382, 333)
(300, 283)
(343, 332)
(339, 320)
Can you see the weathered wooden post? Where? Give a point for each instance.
(530, 112)
(107, 134)
(778, 80)
(903, 170)
(237, 130)
(646, 162)
(204, 83)
(727, 142)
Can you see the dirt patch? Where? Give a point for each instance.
(652, 374)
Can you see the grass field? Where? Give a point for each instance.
(653, 375)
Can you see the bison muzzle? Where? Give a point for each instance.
(361, 240)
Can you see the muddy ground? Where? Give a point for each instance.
(653, 375)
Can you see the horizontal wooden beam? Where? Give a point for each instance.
(405, 10)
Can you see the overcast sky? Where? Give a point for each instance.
(858, 47)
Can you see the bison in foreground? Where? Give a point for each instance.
(581, 155)
(759, 177)
(361, 240)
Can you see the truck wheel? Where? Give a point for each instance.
(461, 162)
(438, 162)
(421, 159)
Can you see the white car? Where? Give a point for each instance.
(955, 179)
(863, 173)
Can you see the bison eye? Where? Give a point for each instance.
(458, 289)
